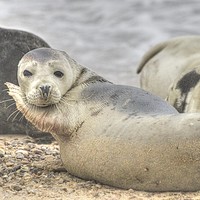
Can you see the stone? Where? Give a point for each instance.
(2, 152)
(23, 152)
(16, 187)
(13, 45)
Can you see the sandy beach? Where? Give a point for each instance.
(30, 170)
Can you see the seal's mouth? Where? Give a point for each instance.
(41, 103)
(36, 98)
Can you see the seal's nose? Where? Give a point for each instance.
(45, 89)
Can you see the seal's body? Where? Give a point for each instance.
(171, 70)
(118, 135)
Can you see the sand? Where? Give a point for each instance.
(31, 170)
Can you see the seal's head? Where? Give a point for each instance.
(44, 76)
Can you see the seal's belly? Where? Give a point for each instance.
(142, 153)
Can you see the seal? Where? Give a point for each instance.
(118, 135)
(171, 70)
(13, 45)
(185, 90)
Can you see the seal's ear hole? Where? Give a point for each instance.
(58, 74)
(27, 73)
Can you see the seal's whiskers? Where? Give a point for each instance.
(14, 112)
(6, 100)
(20, 119)
(5, 90)
(12, 104)
(16, 116)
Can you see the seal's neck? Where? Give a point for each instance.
(83, 76)
(48, 119)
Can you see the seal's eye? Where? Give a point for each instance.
(27, 73)
(58, 74)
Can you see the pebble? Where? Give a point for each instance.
(16, 187)
(31, 145)
(37, 151)
(60, 181)
(20, 156)
(14, 169)
(9, 164)
(43, 147)
(8, 156)
(1, 182)
(21, 151)
(31, 191)
(2, 152)
(25, 162)
(49, 158)
(25, 169)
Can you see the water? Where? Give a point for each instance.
(108, 37)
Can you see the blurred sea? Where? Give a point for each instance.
(107, 36)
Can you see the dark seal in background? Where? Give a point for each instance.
(13, 45)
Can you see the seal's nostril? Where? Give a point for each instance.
(45, 90)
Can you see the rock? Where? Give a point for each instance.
(23, 152)
(20, 156)
(14, 169)
(31, 145)
(31, 191)
(9, 164)
(37, 151)
(2, 152)
(49, 159)
(13, 45)
(24, 169)
(60, 181)
(16, 187)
